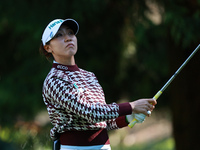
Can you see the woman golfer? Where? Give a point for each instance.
(74, 98)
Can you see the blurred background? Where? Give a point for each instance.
(132, 46)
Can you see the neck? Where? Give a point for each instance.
(66, 61)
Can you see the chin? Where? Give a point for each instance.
(71, 53)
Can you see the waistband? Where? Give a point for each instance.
(97, 147)
(84, 138)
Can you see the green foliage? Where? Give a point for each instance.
(26, 137)
(182, 17)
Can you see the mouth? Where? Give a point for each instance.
(70, 45)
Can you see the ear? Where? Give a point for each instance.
(48, 48)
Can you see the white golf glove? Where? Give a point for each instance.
(139, 117)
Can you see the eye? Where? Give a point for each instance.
(58, 35)
(70, 32)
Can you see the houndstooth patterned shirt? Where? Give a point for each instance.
(75, 101)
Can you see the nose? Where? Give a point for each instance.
(67, 38)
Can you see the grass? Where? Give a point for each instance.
(164, 144)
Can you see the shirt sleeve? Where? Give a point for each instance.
(117, 123)
(120, 122)
(65, 95)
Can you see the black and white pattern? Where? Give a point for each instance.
(75, 101)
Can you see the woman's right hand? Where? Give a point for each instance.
(143, 105)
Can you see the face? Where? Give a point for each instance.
(64, 45)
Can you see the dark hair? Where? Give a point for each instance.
(44, 52)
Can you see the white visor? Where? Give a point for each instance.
(53, 27)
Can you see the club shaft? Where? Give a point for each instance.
(179, 69)
(131, 124)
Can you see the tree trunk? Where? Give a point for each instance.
(185, 98)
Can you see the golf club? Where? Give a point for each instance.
(134, 121)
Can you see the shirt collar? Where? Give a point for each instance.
(65, 67)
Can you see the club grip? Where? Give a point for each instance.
(157, 95)
(134, 121)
